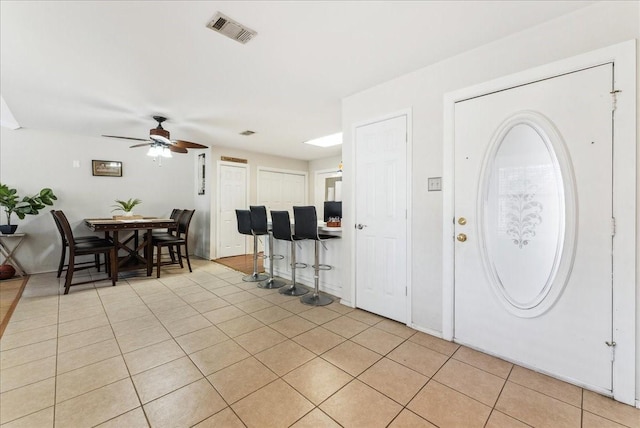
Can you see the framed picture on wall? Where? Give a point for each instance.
(200, 174)
(105, 168)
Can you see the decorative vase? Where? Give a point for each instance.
(8, 229)
(7, 271)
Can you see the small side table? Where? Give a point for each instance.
(8, 246)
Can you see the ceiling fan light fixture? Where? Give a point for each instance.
(160, 139)
(161, 145)
(154, 151)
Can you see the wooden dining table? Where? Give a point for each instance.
(135, 251)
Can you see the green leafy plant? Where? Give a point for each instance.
(29, 205)
(126, 206)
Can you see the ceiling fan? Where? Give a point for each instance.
(160, 141)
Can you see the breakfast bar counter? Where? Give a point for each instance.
(330, 280)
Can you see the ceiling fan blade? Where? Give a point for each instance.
(127, 138)
(140, 145)
(177, 149)
(189, 144)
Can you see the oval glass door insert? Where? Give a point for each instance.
(526, 211)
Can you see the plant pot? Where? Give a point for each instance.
(7, 271)
(8, 229)
(128, 214)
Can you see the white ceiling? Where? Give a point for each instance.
(105, 67)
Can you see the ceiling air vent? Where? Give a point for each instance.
(230, 28)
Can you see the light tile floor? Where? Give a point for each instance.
(206, 349)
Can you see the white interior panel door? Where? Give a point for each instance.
(533, 207)
(233, 195)
(281, 190)
(381, 218)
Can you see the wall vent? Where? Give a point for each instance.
(226, 26)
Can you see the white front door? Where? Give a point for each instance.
(533, 225)
(381, 217)
(232, 190)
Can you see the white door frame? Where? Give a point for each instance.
(623, 55)
(316, 180)
(219, 165)
(352, 202)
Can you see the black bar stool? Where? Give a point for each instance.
(306, 227)
(259, 226)
(244, 227)
(281, 229)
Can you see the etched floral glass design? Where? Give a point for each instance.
(522, 210)
(523, 215)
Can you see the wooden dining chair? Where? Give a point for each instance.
(171, 232)
(63, 254)
(175, 214)
(90, 247)
(174, 243)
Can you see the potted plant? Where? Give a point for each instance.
(29, 205)
(126, 206)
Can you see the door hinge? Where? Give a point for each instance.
(612, 347)
(613, 226)
(405, 291)
(614, 100)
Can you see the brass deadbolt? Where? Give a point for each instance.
(462, 221)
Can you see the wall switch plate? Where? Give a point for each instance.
(76, 164)
(434, 184)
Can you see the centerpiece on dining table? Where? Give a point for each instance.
(127, 209)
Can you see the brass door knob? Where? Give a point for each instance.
(462, 221)
(461, 237)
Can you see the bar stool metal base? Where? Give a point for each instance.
(316, 300)
(272, 283)
(255, 277)
(293, 291)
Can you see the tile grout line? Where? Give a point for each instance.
(493, 408)
(115, 337)
(287, 338)
(41, 380)
(141, 405)
(55, 382)
(204, 377)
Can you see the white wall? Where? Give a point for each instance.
(255, 160)
(603, 24)
(31, 160)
